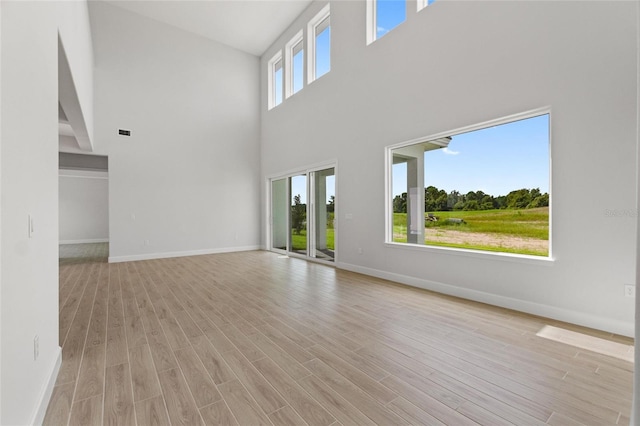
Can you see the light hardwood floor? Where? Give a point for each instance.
(256, 339)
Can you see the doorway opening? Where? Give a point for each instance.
(83, 186)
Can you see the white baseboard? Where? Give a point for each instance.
(47, 390)
(623, 328)
(166, 255)
(96, 240)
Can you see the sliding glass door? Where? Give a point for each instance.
(279, 219)
(298, 214)
(302, 214)
(324, 196)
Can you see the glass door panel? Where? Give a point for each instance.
(298, 214)
(324, 191)
(279, 234)
(303, 214)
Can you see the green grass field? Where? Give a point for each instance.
(527, 223)
(299, 241)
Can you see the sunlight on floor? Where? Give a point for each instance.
(584, 341)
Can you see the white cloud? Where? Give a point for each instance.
(450, 152)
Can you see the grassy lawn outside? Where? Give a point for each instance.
(498, 225)
(299, 241)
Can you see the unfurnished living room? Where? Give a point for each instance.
(319, 212)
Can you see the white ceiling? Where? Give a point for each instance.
(248, 25)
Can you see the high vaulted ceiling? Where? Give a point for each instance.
(249, 25)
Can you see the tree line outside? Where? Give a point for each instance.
(299, 223)
(299, 214)
(438, 200)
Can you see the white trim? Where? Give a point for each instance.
(269, 224)
(479, 126)
(166, 255)
(324, 13)
(336, 216)
(299, 256)
(388, 195)
(271, 86)
(422, 4)
(309, 168)
(478, 254)
(86, 241)
(47, 390)
(371, 21)
(1, 216)
(388, 204)
(268, 216)
(624, 328)
(86, 174)
(331, 164)
(311, 215)
(288, 62)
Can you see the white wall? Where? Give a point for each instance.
(75, 36)
(0, 207)
(635, 415)
(460, 63)
(83, 206)
(187, 180)
(29, 185)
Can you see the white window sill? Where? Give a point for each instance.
(478, 254)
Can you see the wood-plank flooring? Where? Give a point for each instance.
(256, 339)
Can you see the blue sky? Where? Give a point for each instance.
(496, 160)
(323, 50)
(299, 187)
(323, 65)
(389, 13)
(278, 89)
(298, 73)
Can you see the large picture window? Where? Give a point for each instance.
(485, 187)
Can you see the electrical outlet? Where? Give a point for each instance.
(360, 251)
(36, 348)
(629, 290)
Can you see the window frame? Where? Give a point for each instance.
(371, 16)
(388, 189)
(298, 39)
(422, 4)
(271, 83)
(319, 18)
(307, 171)
(372, 19)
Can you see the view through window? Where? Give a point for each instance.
(485, 189)
(389, 14)
(274, 80)
(303, 214)
(319, 34)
